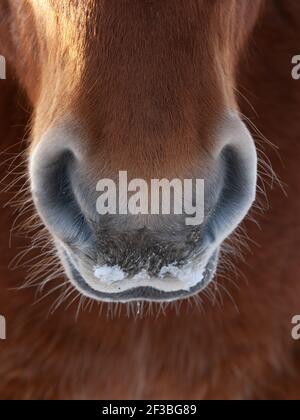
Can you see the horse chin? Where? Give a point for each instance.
(112, 285)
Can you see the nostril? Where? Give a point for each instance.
(238, 161)
(55, 200)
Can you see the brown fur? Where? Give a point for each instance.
(219, 352)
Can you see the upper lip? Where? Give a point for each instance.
(140, 293)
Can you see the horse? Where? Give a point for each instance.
(185, 89)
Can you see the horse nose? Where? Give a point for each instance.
(66, 198)
(69, 207)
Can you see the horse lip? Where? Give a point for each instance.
(140, 294)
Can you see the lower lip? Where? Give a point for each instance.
(140, 294)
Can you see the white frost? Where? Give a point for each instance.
(109, 275)
(189, 275)
(170, 279)
(171, 269)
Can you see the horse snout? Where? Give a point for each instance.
(123, 239)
